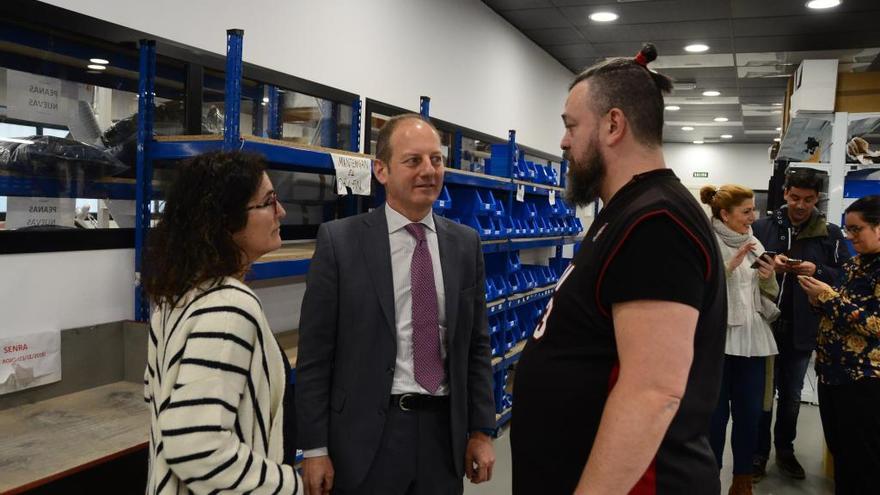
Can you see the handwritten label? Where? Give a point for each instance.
(39, 212)
(29, 360)
(520, 193)
(352, 172)
(552, 197)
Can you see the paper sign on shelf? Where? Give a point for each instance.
(353, 172)
(520, 193)
(36, 98)
(29, 360)
(552, 197)
(35, 212)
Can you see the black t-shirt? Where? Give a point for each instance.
(657, 261)
(651, 242)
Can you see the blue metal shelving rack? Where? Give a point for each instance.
(279, 155)
(506, 185)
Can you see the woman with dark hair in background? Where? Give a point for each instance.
(848, 356)
(751, 287)
(215, 378)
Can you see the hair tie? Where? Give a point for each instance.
(646, 55)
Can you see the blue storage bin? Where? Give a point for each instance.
(497, 228)
(483, 226)
(472, 201)
(491, 291)
(513, 261)
(541, 176)
(499, 383)
(499, 208)
(552, 176)
(528, 279)
(512, 331)
(513, 283)
(530, 172)
(506, 226)
(501, 286)
(444, 201)
(506, 401)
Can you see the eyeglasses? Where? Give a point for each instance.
(272, 200)
(853, 229)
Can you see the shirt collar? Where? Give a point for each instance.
(396, 221)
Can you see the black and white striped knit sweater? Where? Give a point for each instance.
(215, 383)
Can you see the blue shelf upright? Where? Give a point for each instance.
(232, 97)
(144, 169)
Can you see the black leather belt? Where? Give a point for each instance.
(417, 402)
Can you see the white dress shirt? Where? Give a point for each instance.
(403, 244)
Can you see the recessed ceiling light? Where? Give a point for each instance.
(711, 92)
(687, 128)
(603, 16)
(99, 61)
(720, 119)
(823, 4)
(777, 139)
(696, 48)
(673, 108)
(265, 99)
(727, 136)
(698, 142)
(779, 128)
(96, 67)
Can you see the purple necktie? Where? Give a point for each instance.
(427, 365)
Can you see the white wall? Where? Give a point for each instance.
(478, 70)
(56, 291)
(744, 164)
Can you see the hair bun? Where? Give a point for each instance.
(707, 194)
(649, 51)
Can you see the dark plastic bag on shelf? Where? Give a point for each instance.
(120, 139)
(50, 156)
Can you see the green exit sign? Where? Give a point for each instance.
(701, 175)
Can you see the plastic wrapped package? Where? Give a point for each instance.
(50, 156)
(120, 139)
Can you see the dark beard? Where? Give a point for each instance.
(584, 179)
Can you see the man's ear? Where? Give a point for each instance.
(380, 170)
(615, 127)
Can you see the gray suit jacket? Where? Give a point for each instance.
(348, 341)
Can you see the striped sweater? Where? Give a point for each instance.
(215, 384)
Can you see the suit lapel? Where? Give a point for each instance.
(446, 246)
(377, 253)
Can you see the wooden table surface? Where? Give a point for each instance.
(54, 438)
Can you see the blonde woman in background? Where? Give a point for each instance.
(751, 289)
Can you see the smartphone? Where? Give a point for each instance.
(768, 257)
(792, 261)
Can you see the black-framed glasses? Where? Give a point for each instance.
(272, 200)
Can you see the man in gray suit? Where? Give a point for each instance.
(394, 378)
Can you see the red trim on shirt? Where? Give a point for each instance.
(626, 235)
(647, 484)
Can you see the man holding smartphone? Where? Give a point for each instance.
(813, 247)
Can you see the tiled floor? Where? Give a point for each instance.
(809, 447)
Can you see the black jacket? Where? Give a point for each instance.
(819, 242)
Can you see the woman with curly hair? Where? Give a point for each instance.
(216, 377)
(848, 356)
